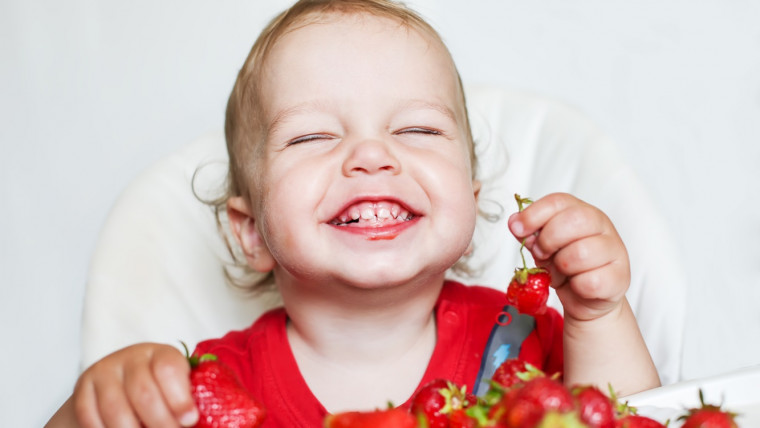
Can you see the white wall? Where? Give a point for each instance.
(93, 92)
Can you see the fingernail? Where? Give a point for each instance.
(537, 253)
(189, 419)
(518, 228)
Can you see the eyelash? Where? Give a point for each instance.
(312, 137)
(417, 130)
(307, 138)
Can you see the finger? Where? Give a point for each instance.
(586, 254)
(172, 373)
(145, 396)
(86, 406)
(573, 223)
(558, 280)
(537, 214)
(597, 290)
(113, 405)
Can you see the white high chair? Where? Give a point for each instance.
(156, 274)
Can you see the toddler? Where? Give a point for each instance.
(352, 181)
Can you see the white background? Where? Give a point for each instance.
(92, 92)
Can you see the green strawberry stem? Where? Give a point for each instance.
(520, 206)
(455, 397)
(194, 360)
(522, 201)
(522, 256)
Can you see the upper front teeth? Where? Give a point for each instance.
(374, 211)
(383, 214)
(368, 214)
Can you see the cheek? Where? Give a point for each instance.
(465, 191)
(274, 214)
(286, 206)
(466, 212)
(457, 200)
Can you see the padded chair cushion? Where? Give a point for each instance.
(156, 274)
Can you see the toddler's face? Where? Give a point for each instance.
(366, 173)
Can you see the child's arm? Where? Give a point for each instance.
(590, 272)
(146, 384)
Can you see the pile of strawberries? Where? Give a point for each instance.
(520, 396)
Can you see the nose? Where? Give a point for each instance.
(370, 157)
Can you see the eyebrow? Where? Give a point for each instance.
(439, 107)
(285, 114)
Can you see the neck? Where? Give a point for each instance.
(336, 317)
(345, 338)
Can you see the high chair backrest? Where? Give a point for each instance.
(156, 274)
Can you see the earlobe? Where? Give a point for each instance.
(245, 232)
(476, 185)
(476, 193)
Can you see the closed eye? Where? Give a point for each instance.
(419, 130)
(309, 138)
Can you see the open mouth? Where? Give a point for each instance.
(373, 214)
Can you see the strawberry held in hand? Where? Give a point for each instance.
(528, 291)
(221, 400)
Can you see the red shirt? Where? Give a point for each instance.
(470, 344)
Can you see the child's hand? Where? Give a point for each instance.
(582, 250)
(141, 385)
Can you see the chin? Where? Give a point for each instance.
(379, 277)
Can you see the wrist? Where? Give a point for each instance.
(595, 319)
(608, 349)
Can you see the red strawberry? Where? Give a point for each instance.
(554, 419)
(429, 401)
(514, 371)
(708, 416)
(627, 417)
(389, 418)
(460, 419)
(594, 408)
(503, 403)
(528, 291)
(221, 399)
(438, 399)
(637, 421)
(525, 407)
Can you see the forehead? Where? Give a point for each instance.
(357, 55)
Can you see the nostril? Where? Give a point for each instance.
(374, 169)
(371, 157)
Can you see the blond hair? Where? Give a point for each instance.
(244, 125)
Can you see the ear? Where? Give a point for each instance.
(243, 228)
(476, 185)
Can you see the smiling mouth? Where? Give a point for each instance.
(373, 214)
